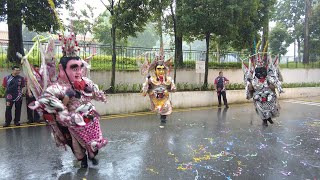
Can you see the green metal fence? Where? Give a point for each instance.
(127, 57)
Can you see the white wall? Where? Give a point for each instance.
(189, 76)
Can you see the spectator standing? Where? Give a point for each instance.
(219, 84)
(13, 84)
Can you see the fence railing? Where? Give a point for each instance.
(127, 57)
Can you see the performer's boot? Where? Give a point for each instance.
(265, 122)
(163, 118)
(94, 161)
(84, 162)
(270, 121)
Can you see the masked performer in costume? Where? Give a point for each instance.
(262, 78)
(66, 106)
(158, 85)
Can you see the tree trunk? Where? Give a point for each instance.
(85, 45)
(294, 51)
(178, 48)
(264, 44)
(114, 57)
(205, 83)
(175, 40)
(15, 31)
(299, 49)
(306, 32)
(218, 53)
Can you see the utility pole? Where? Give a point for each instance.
(306, 31)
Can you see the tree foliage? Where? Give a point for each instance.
(315, 30)
(37, 15)
(265, 9)
(315, 22)
(146, 39)
(131, 17)
(291, 13)
(279, 39)
(229, 23)
(157, 7)
(101, 29)
(127, 18)
(84, 21)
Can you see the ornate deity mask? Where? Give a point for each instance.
(74, 70)
(160, 70)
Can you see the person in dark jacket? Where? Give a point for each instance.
(13, 84)
(219, 84)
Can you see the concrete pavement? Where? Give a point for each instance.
(198, 143)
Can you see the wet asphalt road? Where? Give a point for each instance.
(203, 143)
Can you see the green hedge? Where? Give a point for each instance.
(104, 62)
(125, 88)
(214, 65)
(293, 65)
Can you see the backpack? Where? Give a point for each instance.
(220, 82)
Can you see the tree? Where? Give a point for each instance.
(84, 21)
(279, 39)
(306, 31)
(291, 14)
(266, 7)
(219, 19)
(156, 8)
(37, 15)
(178, 34)
(146, 39)
(101, 29)
(246, 23)
(315, 31)
(129, 17)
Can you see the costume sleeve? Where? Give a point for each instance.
(173, 86)
(215, 81)
(226, 79)
(4, 82)
(98, 95)
(145, 86)
(50, 104)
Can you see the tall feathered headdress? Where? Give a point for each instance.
(69, 45)
(159, 59)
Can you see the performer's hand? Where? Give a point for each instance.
(65, 100)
